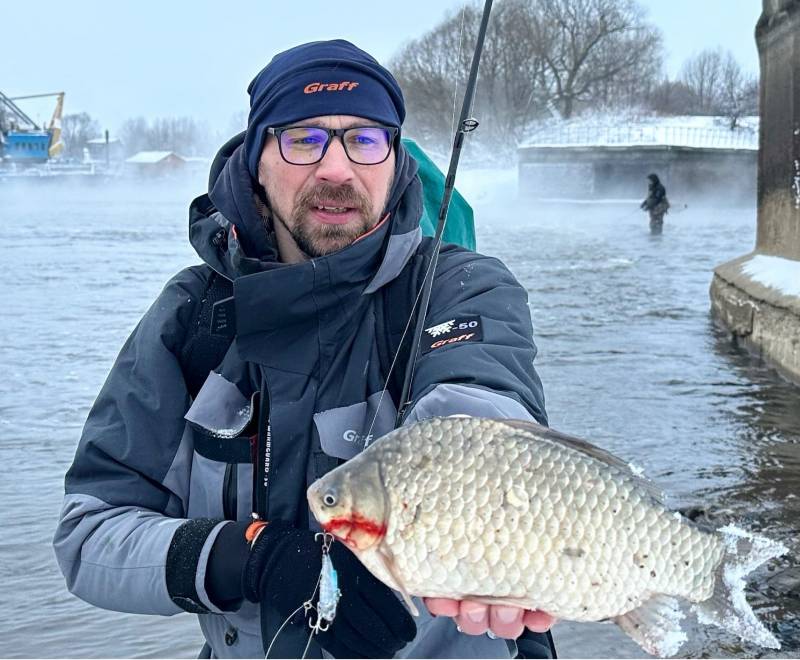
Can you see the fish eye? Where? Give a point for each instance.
(329, 498)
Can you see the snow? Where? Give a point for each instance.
(775, 273)
(628, 131)
(150, 156)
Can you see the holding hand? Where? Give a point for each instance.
(474, 618)
(283, 568)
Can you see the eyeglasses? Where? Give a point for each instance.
(307, 145)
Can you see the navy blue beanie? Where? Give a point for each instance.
(316, 79)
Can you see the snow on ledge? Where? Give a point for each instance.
(774, 272)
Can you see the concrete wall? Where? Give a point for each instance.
(778, 40)
(761, 318)
(604, 172)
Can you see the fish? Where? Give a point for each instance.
(509, 512)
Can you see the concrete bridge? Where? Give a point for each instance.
(757, 296)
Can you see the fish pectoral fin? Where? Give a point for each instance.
(387, 559)
(655, 625)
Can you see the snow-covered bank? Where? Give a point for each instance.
(775, 273)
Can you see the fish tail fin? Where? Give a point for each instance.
(727, 606)
(655, 625)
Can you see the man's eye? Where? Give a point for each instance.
(362, 141)
(311, 139)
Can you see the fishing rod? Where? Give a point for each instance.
(466, 125)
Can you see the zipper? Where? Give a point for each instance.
(229, 491)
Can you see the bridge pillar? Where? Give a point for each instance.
(757, 296)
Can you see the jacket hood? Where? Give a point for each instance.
(228, 232)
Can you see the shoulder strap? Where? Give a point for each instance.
(398, 303)
(203, 351)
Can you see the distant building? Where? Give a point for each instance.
(155, 163)
(98, 152)
(601, 158)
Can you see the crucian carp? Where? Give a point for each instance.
(510, 512)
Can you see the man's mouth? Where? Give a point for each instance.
(333, 214)
(333, 209)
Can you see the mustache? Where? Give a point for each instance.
(325, 194)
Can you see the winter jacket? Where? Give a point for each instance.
(656, 194)
(157, 473)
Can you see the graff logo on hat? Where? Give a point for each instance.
(286, 91)
(329, 87)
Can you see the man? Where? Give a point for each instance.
(314, 216)
(656, 203)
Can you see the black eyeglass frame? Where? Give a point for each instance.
(277, 131)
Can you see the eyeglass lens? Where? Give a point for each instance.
(305, 145)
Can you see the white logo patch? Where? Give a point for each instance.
(441, 329)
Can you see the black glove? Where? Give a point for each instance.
(283, 568)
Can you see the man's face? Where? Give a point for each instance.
(328, 205)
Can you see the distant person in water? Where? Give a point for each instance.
(656, 203)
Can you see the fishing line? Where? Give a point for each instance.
(283, 625)
(457, 67)
(396, 356)
(328, 592)
(465, 125)
(457, 73)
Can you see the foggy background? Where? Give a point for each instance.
(628, 354)
(173, 76)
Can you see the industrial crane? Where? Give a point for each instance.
(22, 140)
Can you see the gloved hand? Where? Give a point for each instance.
(283, 568)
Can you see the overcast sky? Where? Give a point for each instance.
(195, 58)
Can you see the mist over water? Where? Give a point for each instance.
(629, 357)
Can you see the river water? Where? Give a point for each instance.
(629, 357)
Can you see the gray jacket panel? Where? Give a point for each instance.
(114, 556)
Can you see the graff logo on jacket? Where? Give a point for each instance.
(440, 329)
(351, 435)
(454, 331)
(345, 85)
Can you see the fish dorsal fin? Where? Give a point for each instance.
(593, 451)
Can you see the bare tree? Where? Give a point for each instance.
(183, 135)
(429, 70)
(134, 135)
(671, 97)
(703, 75)
(76, 131)
(539, 54)
(738, 92)
(719, 86)
(592, 48)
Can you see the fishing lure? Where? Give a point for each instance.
(329, 593)
(327, 601)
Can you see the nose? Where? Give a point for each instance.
(335, 166)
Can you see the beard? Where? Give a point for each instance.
(318, 239)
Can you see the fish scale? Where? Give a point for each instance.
(507, 511)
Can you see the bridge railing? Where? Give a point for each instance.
(684, 136)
